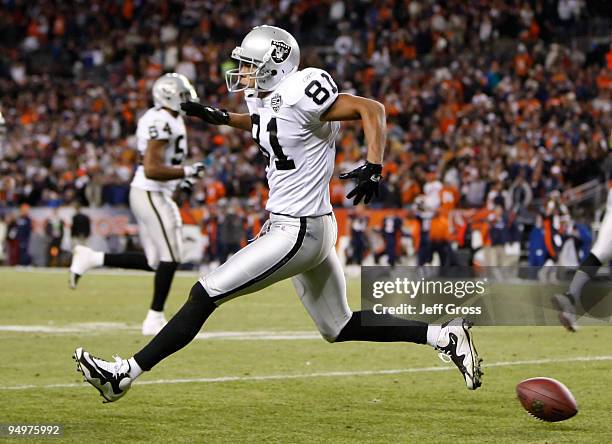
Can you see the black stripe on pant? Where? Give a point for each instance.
(296, 247)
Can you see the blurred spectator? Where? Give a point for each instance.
(80, 229)
(440, 237)
(524, 111)
(54, 229)
(231, 231)
(359, 244)
(23, 227)
(3, 234)
(528, 94)
(391, 231)
(499, 235)
(521, 194)
(12, 244)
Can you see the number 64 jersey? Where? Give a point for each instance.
(159, 124)
(299, 147)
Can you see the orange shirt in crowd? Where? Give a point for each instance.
(389, 168)
(260, 193)
(522, 63)
(483, 227)
(336, 191)
(439, 230)
(214, 192)
(410, 191)
(187, 215)
(604, 80)
(449, 198)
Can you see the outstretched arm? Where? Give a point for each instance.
(240, 121)
(372, 115)
(216, 116)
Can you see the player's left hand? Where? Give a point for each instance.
(368, 178)
(207, 113)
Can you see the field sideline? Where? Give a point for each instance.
(259, 372)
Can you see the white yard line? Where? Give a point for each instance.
(84, 327)
(324, 374)
(107, 327)
(98, 271)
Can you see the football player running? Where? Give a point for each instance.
(162, 143)
(293, 117)
(601, 253)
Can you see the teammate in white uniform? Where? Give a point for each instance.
(162, 143)
(293, 117)
(601, 253)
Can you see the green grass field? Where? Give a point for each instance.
(285, 389)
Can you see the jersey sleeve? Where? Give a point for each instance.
(319, 92)
(153, 127)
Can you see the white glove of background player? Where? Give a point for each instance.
(195, 170)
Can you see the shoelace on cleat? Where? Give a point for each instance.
(445, 357)
(112, 367)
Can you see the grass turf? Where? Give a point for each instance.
(425, 406)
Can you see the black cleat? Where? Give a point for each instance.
(455, 344)
(111, 379)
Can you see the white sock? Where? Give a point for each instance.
(433, 331)
(153, 314)
(98, 258)
(135, 370)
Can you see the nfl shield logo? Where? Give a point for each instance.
(277, 101)
(281, 51)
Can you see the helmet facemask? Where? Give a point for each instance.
(249, 70)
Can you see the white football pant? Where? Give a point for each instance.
(298, 248)
(159, 224)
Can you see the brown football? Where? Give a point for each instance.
(546, 399)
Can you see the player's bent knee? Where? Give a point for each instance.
(153, 263)
(329, 339)
(329, 333)
(199, 298)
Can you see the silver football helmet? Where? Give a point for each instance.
(267, 55)
(172, 89)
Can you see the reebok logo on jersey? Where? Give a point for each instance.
(281, 51)
(277, 102)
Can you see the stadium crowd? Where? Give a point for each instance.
(489, 103)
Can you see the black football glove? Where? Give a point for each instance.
(368, 177)
(186, 185)
(207, 113)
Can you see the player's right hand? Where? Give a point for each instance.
(207, 113)
(194, 170)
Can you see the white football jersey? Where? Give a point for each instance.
(158, 123)
(299, 147)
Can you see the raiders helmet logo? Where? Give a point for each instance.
(281, 51)
(276, 102)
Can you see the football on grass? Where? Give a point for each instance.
(546, 399)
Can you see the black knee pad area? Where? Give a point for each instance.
(198, 295)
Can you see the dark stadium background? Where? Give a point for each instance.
(498, 116)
